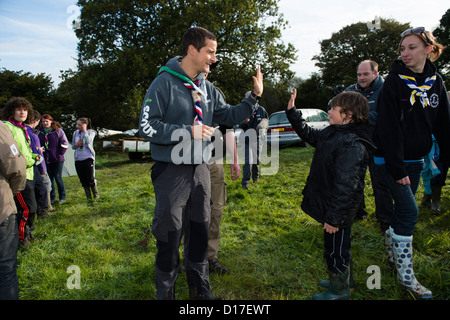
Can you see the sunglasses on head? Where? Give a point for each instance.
(417, 31)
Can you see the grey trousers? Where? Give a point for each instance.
(183, 205)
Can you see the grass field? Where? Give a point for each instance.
(272, 248)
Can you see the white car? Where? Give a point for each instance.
(278, 122)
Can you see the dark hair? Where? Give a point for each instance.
(354, 102)
(14, 103)
(35, 116)
(197, 37)
(55, 125)
(86, 121)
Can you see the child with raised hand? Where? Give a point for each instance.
(335, 185)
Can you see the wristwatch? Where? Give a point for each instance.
(254, 96)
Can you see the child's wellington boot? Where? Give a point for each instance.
(339, 288)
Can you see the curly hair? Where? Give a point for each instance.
(15, 103)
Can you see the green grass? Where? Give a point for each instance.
(273, 249)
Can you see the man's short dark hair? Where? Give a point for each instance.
(197, 37)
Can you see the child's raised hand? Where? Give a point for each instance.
(291, 103)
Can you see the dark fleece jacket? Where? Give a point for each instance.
(403, 131)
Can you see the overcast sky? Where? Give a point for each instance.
(36, 37)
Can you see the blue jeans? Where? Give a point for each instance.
(382, 195)
(54, 171)
(9, 241)
(406, 211)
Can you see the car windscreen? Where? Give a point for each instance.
(278, 118)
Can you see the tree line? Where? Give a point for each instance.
(122, 45)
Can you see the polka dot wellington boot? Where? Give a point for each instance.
(403, 258)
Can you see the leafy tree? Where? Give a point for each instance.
(38, 89)
(122, 44)
(341, 54)
(313, 93)
(442, 33)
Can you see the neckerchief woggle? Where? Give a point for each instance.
(80, 137)
(46, 132)
(419, 92)
(196, 92)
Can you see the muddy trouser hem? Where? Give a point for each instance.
(183, 204)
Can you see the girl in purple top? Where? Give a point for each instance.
(54, 141)
(42, 185)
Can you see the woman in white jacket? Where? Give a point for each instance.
(82, 143)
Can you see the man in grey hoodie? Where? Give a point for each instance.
(176, 117)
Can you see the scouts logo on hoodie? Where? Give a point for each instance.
(434, 100)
